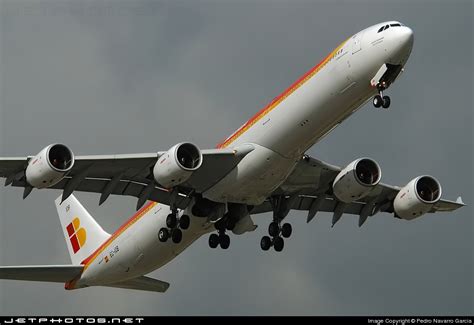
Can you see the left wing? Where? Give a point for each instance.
(310, 188)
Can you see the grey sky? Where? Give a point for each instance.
(140, 76)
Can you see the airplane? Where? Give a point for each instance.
(185, 192)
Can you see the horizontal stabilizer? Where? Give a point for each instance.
(43, 273)
(142, 283)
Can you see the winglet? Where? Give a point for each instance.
(459, 200)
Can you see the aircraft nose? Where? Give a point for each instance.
(405, 36)
(402, 45)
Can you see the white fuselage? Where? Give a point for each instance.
(280, 133)
(134, 249)
(307, 111)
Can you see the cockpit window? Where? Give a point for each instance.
(381, 29)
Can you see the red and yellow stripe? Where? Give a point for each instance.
(274, 103)
(137, 216)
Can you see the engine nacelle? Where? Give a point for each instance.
(356, 180)
(49, 166)
(177, 164)
(417, 197)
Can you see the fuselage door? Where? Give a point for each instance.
(357, 42)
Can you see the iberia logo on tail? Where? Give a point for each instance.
(77, 235)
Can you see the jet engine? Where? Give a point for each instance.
(417, 197)
(49, 166)
(356, 180)
(177, 164)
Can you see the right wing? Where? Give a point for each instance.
(129, 174)
(43, 273)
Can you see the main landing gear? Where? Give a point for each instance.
(174, 226)
(380, 100)
(276, 231)
(281, 206)
(221, 238)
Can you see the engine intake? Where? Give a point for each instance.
(356, 180)
(417, 197)
(367, 172)
(49, 166)
(428, 189)
(189, 157)
(178, 164)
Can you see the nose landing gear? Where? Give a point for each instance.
(380, 100)
(221, 238)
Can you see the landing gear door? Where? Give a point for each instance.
(357, 42)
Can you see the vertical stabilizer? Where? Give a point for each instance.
(82, 233)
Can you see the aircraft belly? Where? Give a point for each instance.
(250, 182)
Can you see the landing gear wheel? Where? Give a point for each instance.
(224, 240)
(286, 230)
(265, 243)
(386, 102)
(163, 235)
(213, 240)
(171, 220)
(273, 229)
(278, 244)
(176, 235)
(378, 101)
(184, 222)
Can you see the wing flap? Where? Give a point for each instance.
(303, 203)
(43, 273)
(11, 165)
(142, 283)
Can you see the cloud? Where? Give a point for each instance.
(122, 77)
